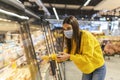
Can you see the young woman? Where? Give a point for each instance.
(84, 50)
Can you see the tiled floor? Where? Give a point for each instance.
(113, 69)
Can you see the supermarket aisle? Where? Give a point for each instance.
(72, 72)
(113, 69)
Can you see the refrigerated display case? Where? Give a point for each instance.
(24, 38)
(17, 55)
(39, 44)
(44, 44)
(17, 60)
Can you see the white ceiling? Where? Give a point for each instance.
(107, 5)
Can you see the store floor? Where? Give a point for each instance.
(113, 69)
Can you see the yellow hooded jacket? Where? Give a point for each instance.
(90, 56)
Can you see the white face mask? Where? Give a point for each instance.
(68, 34)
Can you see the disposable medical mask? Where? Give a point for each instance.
(68, 33)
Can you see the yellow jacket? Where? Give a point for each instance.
(91, 56)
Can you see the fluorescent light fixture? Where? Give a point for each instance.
(19, 1)
(87, 2)
(13, 14)
(55, 12)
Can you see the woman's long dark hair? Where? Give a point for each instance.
(76, 33)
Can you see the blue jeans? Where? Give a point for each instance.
(98, 74)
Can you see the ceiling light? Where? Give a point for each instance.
(92, 18)
(116, 17)
(108, 18)
(19, 1)
(55, 12)
(13, 14)
(32, 0)
(87, 2)
(83, 18)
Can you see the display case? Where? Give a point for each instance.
(43, 42)
(17, 55)
(17, 60)
(24, 38)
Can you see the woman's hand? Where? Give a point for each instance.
(63, 56)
